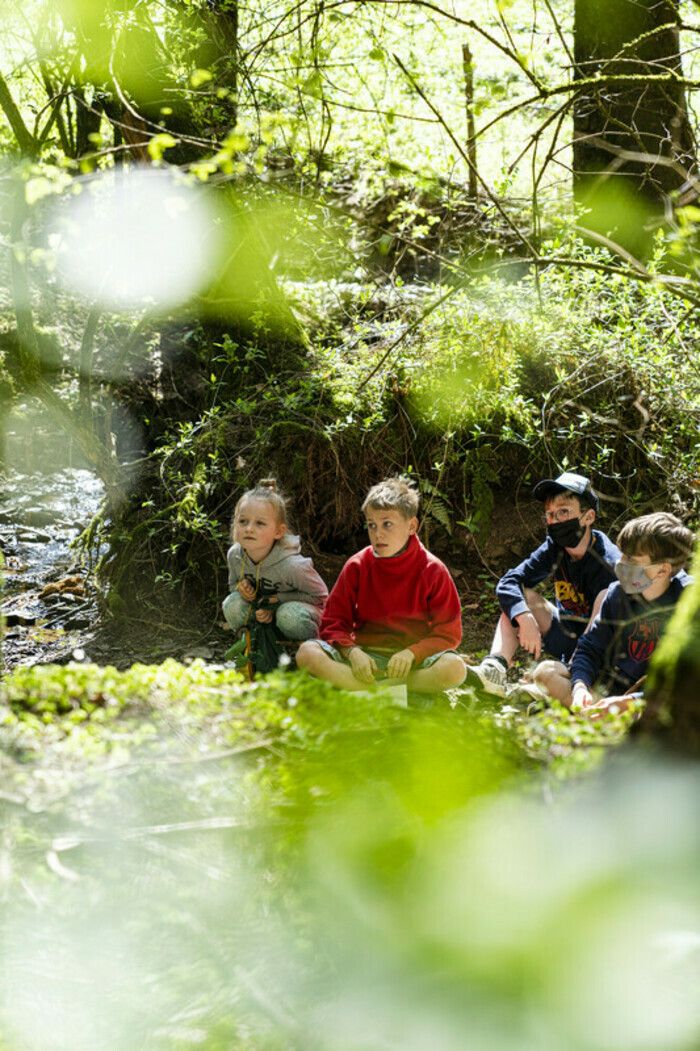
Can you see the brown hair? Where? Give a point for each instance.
(265, 489)
(393, 494)
(661, 536)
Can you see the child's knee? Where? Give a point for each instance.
(450, 670)
(548, 671)
(297, 621)
(236, 610)
(309, 656)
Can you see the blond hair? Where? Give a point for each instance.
(394, 494)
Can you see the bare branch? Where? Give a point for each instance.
(467, 160)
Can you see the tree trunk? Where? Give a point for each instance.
(468, 70)
(87, 123)
(633, 144)
(128, 65)
(672, 692)
(218, 51)
(25, 139)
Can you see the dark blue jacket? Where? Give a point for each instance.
(576, 583)
(624, 635)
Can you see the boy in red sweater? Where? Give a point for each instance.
(394, 611)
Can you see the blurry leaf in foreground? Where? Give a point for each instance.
(376, 880)
(512, 924)
(266, 239)
(122, 49)
(469, 363)
(617, 210)
(447, 394)
(134, 238)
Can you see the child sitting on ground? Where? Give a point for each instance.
(613, 655)
(394, 609)
(577, 558)
(264, 561)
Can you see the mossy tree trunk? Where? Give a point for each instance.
(673, 687)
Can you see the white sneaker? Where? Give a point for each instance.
(489, 676)
(525, 693)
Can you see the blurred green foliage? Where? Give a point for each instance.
(190, 861)
(203, 862)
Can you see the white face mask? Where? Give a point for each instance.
(633, 579)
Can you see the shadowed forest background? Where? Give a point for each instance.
(328, 242)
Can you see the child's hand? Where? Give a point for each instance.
(363, 666)
(264, 616)
(581, 697)
(608, 706)
(529, 635)
(245, 590)
(400, 664)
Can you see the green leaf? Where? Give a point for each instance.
(199, 77)
(37, 188)
(313, 85)
(159, 144)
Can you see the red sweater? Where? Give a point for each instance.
(408, 601)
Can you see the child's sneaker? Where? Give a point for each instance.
(525, 693)
(489, 676)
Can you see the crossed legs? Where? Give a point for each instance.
(447, 671)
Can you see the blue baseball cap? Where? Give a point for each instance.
(568, 482)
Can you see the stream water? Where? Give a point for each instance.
(47, 603)
(47, 598)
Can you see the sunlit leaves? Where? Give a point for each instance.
(200, 77)
(158, 144)
(45, 181)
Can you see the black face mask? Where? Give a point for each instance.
(566, 534)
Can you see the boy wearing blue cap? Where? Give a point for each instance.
(579, 561)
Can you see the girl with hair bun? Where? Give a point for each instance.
(264, 562)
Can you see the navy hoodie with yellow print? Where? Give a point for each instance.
(575, 582)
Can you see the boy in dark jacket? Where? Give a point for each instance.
(614, 654)
(578, 560)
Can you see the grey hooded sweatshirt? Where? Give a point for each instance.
(284, 573)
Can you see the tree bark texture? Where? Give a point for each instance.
(632, 136)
